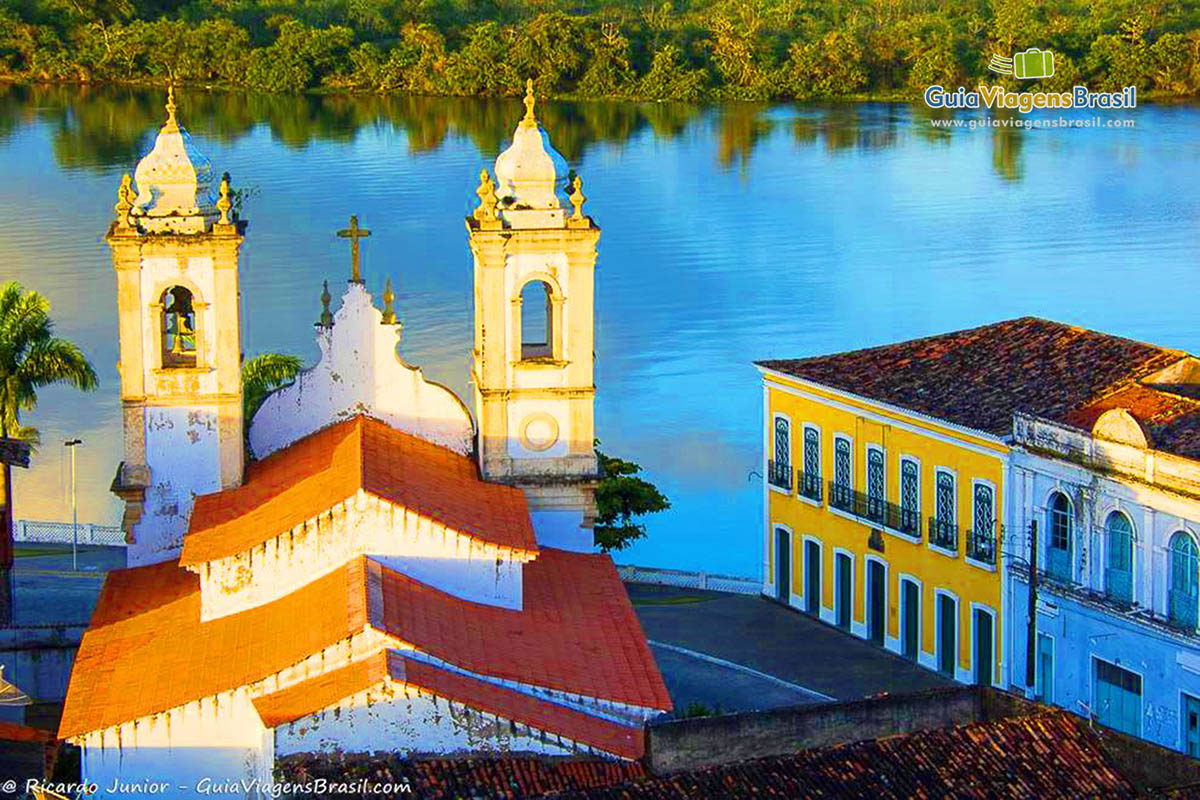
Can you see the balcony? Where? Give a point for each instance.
(981, 543)
(875, 511)
(779, 475)
(810, 486)
(943, 533)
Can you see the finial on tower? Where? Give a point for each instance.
(125, 198)
(530, 120)
(326, 320)
(389, 297)
(171, 123)
(485, 213)
(577, 200)
(224, 203)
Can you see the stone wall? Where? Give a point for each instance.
(692, 743)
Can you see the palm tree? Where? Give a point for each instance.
(262, 375)
(31, 357)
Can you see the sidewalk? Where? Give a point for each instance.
(767, 638)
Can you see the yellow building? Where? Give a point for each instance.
(883, 498)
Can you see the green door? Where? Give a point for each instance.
(1045, 668)
(812, 577)
(947, 622)
(1191, 726)
(1118, 698)
(983, 647)
(783, 570)
(910, 598)
(845, 589)
(876, 613)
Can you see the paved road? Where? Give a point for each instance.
(769, 639)
(46, 591)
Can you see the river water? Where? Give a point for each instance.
(730, 234)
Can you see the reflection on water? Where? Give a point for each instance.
(730, 234)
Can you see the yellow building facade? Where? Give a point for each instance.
(886, 523)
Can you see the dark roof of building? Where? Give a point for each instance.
(462, 778)
(1048, 755)
(325, 468)
(979, 377)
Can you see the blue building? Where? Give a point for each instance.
(1105, 503)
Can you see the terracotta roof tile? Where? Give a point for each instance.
(978, 377)
(147, 651)
(458, 778)
(306, 697)
(315, 473)
(1027, 758)
(621, 740)
(576, 632)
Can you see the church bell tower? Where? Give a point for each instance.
(175, 251)
(534, 332)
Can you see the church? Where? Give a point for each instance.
(363, 566)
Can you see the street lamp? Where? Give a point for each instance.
(72, 443)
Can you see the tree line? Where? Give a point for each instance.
(689, 51)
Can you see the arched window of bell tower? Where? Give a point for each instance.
(537, 320)
(178, 328)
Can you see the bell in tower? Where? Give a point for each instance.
(534, 331)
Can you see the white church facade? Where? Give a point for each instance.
(387, 573)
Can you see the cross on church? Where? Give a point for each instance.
(354, 233)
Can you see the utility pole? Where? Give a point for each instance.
(1031, 642)
(73, 443)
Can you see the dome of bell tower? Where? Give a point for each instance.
(174, 181)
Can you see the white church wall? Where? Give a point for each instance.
(183, 453)
(215, 741)
(397, 718)
(363, 525)
(360, 371)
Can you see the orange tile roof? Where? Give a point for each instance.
(311, 696)
(147, 651)
(317, 472)
(576, 631)
(622, 740)
(14, 732)
(306, 697)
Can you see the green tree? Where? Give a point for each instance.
(262, 375)
(31, 357)
(669, 78)
(621, 498)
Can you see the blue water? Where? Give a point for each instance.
(730, 234)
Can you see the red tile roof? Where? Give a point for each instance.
(978, 377)
(576, 632)
(14, 732)
(1051, 755)
(457, 778)
(327, 467)
(147, 651)
(622, 740)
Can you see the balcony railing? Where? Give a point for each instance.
(810, 485)
(943, 533)
(874, 511)
(841, 497)
(779, 475)
(1118, 585)
(981, 543)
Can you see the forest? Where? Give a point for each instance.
(687, 51)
